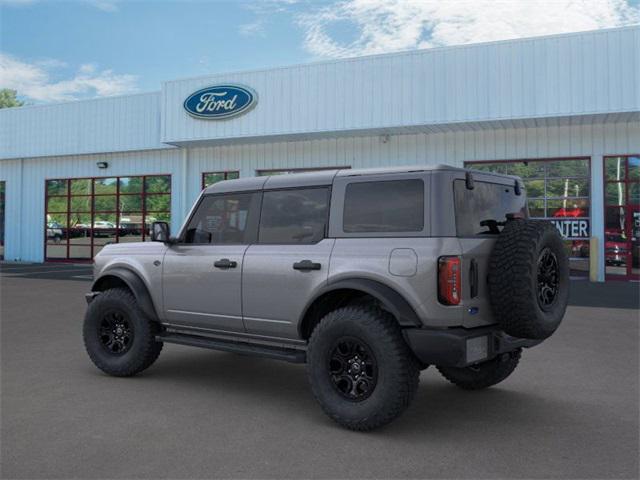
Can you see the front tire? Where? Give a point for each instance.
(483, 375)
(361, 371)
(118, 337)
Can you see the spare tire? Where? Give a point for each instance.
(529, 279)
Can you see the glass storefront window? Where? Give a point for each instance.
(557, 190)
(84, 214)
(56, 187)
(81, 186)
(634, 168)
(622, 217)
(131, 184)
(615, 193)
(209, 178)
(106, 186)
(157, 184)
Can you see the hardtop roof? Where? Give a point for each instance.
(326, 177)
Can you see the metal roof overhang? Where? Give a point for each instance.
(497, 124)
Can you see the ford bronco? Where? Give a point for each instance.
(367, 276)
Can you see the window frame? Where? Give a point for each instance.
(627, 207)
(94, 246)
(225, 173)
(336, 216)
(325, 233)
(253, 225)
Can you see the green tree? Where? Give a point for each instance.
(8, 98)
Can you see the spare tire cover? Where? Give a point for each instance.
(529, 279)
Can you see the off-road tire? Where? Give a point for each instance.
(143, 350)
(397, 369)
(484, 374)
(514, 279)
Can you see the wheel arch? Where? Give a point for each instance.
(119, 277)
(345, 291)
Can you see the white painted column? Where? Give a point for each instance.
(597, 211)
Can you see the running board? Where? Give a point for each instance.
(286, 354)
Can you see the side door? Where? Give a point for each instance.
(202, 274)
(289, 262)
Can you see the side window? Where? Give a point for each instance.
(294, 216)
(224, 219)
(385, 206)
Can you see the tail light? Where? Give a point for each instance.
(449, 280)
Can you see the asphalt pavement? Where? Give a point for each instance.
(570, 410)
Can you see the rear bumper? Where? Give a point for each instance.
(461, 347)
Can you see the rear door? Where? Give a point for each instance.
(289, 261)
(488, 202)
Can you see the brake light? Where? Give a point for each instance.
(449, 280)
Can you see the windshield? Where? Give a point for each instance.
(482, 210)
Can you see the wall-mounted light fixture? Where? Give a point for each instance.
(102, 164)
(384, 138)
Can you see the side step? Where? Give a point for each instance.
(286, 354)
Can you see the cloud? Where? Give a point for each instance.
(104, 5)
(34, 80)
(252, 29)
(390, 25)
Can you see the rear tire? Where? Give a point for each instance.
(483, 375)
(369, 340)
(529, 279)
(118, 337)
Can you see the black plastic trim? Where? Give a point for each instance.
(135, 284)
(388, 297)
(448, 347)
(282, 353)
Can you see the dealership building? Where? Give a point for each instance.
(561, 111)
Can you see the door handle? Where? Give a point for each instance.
(225, 263)
(306, 265)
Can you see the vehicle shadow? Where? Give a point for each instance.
(437, 405)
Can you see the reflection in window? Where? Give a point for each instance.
(209, 178)
(223, 219)
(84, 214)
(294, 216)
(384, 206)
(558, 190)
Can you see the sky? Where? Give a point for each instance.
(54, 50)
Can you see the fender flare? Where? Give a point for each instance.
(135, 284)
(387, 296)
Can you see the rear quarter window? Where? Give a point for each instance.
(384, 206)
(486, 202)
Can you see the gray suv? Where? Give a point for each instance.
(367, 276)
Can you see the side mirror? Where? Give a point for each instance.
(160, 232)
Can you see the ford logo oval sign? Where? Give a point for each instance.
(220, 102)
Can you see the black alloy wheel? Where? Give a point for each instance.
(115, 332)
(353, 369)
(548, 278)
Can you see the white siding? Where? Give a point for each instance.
(112, 124)
(26, 179)
(593, 73)
(25, 190)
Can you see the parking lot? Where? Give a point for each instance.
(569, 411)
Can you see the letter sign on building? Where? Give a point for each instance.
(220, 102)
